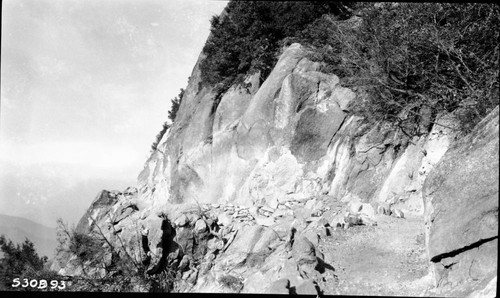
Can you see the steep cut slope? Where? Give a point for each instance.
(461, 197)
(243, 195)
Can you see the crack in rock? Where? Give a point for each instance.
(438, 258)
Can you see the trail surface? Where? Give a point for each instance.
(388, 259)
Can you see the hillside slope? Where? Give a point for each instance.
(18, 229)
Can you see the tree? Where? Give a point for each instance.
(176, 102)
(159, 136)
(20, 261)
(246, 38)
(172, 115)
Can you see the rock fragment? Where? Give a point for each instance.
(181, 221)
(200, 226)
(303, 250)
(355, 206)
(264, 221)
(224, 219)
(398, 213)
(307, 287)
(381, 210)
(280, 286)
(368, 211)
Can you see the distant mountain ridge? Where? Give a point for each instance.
(18, 229)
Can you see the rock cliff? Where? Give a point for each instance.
(244, 189)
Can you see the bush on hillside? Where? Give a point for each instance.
(414, 60)
(107, 266)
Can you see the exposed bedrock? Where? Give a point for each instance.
(461, 208)
(252, 181)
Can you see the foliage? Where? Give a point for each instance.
(21, 261)
(160, 135)
(172, 114)
(106, 266)
(414, 60)
(176, 102)
(245, 38)
(87, 248)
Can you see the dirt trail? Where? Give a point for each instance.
(388, 259)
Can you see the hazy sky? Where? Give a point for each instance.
(85, 87)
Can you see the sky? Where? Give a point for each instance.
(85, 88)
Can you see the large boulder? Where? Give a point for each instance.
(461, 208)
(251, 246)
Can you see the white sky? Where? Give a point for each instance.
(85, 87)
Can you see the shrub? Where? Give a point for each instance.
(414, 60)
(89, 249)
(122, 273)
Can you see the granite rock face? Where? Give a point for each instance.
(461, 196)
(296, 110)
(241, 190)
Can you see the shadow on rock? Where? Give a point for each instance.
(322, 266)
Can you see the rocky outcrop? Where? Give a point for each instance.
(461, 200)
(294, 138)
(245, 185)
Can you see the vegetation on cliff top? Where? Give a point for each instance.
(172, 114)
(412, 60)
(415, 60)
(247, 36)
(409, 62)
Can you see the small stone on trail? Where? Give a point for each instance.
(368, 221)
(398, 213)
(367, 209)
(200, 226)
(381, 210)
(355, 206)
